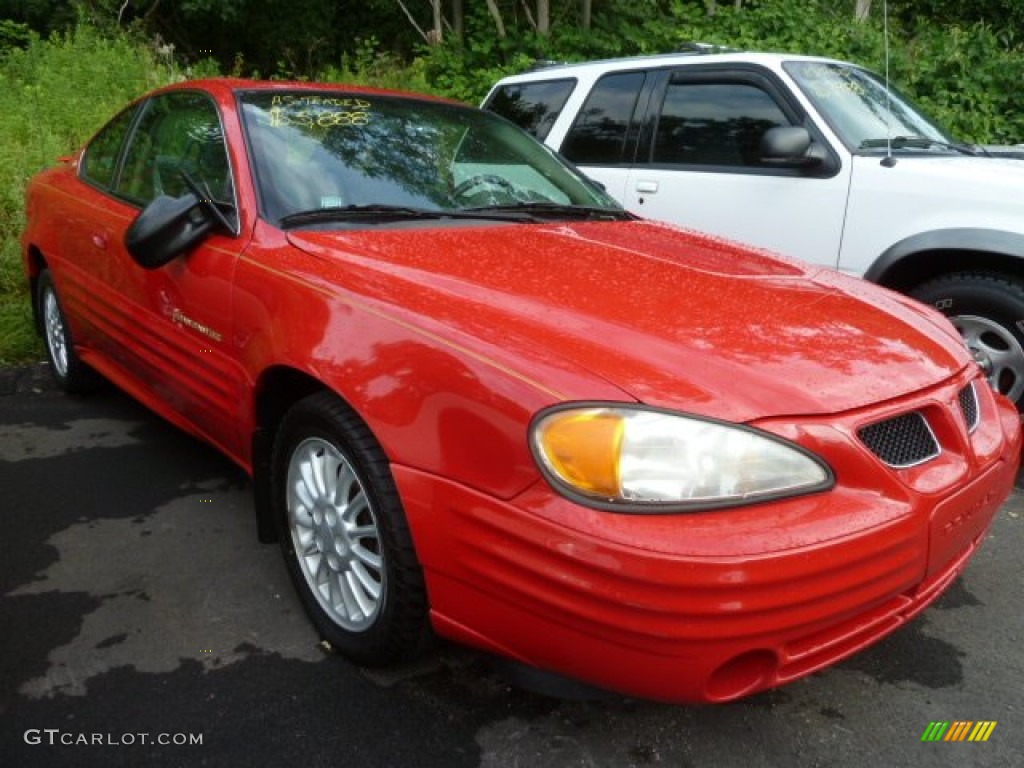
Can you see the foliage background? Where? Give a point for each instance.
(68, 65)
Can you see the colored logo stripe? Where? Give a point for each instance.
(958, 730)
(982, 730)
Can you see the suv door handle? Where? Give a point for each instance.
(647, 187)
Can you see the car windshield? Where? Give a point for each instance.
(865, 114)
(326, 158)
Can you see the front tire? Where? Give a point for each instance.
(988, 310)
(344, 535)
(71, 374)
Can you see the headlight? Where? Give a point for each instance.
(638, 459)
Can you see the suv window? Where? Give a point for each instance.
(177, 132)
(705, 123)
(100, 159)
(598, 136)
(534, 107)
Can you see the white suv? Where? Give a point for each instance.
(810, 157)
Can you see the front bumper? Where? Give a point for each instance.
(713, 606)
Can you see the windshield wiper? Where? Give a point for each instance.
(558, 210)
(380, 212)
(915, 142)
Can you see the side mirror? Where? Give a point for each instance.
(166, 228)
(791, 146)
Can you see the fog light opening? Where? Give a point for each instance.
(741, 675)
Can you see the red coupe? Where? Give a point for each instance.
(479, 399)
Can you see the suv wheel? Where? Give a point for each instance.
(988, 310)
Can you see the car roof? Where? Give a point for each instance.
(234, 85)
(688, 58)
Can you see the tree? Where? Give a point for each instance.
(458, 20)
(437, 31)
(434, 35)
(1004, 14)
(543, 18)
(712, 6)
(499, 24)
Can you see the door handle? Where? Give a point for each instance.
(647, 187)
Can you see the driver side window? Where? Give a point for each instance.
(714, 123)
(178, 134)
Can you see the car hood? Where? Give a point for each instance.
(671, 318)
(992, 185)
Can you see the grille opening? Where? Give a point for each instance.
(903, 441)
(968, 399)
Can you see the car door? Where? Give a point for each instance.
(79, 257)
(603, 137)
(177, 319)
(699, 165)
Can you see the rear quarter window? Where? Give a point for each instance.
(99, 163)
(535, 106)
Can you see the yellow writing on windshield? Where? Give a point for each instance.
(317, 118)
(285, 99)
(318, 111)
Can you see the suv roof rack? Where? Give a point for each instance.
(696, 48)
(539, 64)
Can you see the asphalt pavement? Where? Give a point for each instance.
(141, 622)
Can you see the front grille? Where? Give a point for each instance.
(968, 398)
(903, 441)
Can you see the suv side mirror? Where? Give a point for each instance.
(791, 146)
(166, 228)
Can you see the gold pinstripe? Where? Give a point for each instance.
(410, 327)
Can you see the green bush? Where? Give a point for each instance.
(967, 78)
(54, 94)
(370, 66)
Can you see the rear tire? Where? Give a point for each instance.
(71, 374)
(344, 534)
(988, 310)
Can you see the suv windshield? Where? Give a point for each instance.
(860, 110)
(323, 156)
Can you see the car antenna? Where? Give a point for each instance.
(888, 161)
